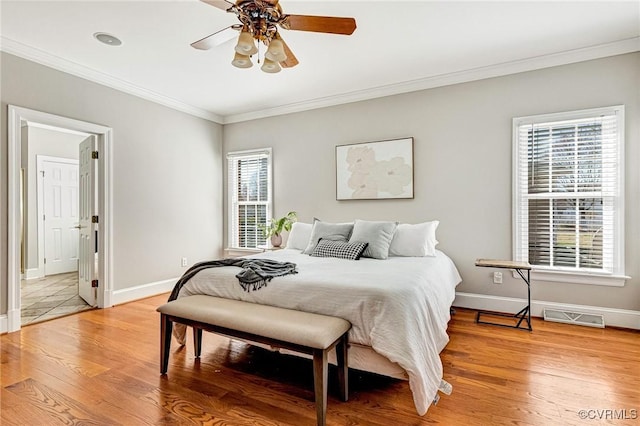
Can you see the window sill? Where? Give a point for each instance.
(577, 278)
(237, 252)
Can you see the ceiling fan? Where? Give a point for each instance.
(259, 21)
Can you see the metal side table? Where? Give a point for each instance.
(524, 315)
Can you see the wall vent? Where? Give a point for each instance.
(578, 318)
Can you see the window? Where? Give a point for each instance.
(568, 195)
(249, 195)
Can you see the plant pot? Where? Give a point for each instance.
(276, 240)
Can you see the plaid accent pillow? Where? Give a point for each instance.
(339, 249)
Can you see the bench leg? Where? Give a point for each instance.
(320, 370)
(197, 341)
(343, 366)
(166, 326)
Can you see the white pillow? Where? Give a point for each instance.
(415, 240)
(299, 236)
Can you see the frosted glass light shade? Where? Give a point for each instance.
(241, 61)
(246, 45)
(270, 66)
(275, 52)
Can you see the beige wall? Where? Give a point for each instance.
(167, 180)
(168, 166)
(462, 157)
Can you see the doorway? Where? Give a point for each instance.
(98, 233)
(51, 230)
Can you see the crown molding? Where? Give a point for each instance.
(47, 59)
(529, 64)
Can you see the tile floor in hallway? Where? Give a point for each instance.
(50, 297)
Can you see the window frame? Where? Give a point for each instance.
(232, 195)
(520, 247)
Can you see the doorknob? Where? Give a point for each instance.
(79, 226)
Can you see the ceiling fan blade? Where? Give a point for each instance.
(291, 60)
(220, 4)
(217, 38)
(319, 24)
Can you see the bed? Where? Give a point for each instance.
(399, 307)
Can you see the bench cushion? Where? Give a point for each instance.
(302, 328)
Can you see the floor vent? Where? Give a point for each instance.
(579, 318)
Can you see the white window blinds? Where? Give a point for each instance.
(249, 195)
(568, 195)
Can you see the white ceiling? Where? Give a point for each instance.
(398, 46)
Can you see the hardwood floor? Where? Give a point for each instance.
(102, 367)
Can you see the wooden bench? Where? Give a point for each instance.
(299, 331)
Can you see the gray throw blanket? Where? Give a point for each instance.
(255, 274)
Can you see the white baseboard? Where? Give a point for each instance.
(10, 321)
(14, 320)
(108, 299)
(612, 317)
(141, 291)
(32, 274)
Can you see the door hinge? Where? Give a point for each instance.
(94, 219)
(94, 155)
(94, 283)
(45, 260)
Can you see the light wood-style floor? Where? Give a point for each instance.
(50, 297)
(101, 367)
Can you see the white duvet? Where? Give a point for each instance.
(399, 306)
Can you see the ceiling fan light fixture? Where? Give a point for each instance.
(275, 51)
(246, 45)
(270, 66)
(241, 61)
(259, 23)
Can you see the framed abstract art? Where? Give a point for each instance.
(375, 170)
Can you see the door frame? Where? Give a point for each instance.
(40, 160)
(17, 116)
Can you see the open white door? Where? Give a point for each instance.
(87, 274)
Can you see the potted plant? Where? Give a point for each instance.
(275, 227)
